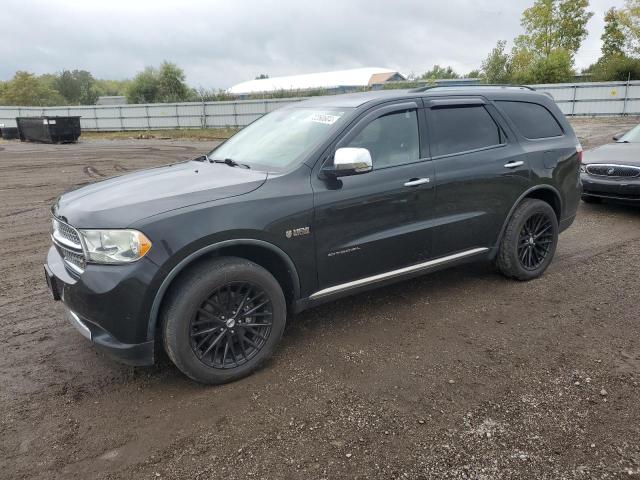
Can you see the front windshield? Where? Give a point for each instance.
(632, 136)
(278, 139)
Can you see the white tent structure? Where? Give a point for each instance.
(340, 79)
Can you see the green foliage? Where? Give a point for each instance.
(171, 84)
(496, 67)
(164, 85)
(29, 90)
(76, 87)
(629, 18)
(618, 67)
(439, 73)
(144, 87)
(403, 85)
(613, 38)
(202, 94)
(556, 67)
(111, 87)
(554, 24)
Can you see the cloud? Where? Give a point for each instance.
(221, 43)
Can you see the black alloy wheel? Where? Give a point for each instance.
(232, 325)
(536, 238)
(223, 319)
(529, 241)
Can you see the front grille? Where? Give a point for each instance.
(69, 233)
(67, 241)
(619, 171)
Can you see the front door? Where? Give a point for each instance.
(378, 221)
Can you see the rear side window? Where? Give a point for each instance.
(532, 120)
(460, 129)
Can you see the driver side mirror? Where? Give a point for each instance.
(349, 161)
(618, 136)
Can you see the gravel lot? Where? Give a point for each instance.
(460, 374)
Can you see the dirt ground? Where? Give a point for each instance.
(460, 374)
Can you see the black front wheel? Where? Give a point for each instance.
(529, 241)
(223, 319)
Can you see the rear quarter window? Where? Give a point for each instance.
(531, 119)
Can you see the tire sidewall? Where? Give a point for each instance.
(187, 298)
(512, 237)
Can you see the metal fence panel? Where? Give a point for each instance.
(605, 98)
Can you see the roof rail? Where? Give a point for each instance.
(480, 85)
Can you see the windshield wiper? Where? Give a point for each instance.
(229, 161)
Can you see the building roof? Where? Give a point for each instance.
(356, 77)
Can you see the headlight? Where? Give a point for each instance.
(583, 168)
(114, 246)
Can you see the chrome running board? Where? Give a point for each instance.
(396, 273)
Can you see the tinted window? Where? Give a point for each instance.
(531, 119)
(391, 139)
(459, 129)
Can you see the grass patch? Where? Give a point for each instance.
(171, 134)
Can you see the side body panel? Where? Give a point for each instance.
(475, 192)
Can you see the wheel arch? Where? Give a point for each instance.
(265, 254)
(546, 193)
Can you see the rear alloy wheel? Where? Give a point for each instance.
(223, 319)
(529, 241)
(536, 237)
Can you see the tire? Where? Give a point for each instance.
(519, 258)
(214, 347)
(590, 199)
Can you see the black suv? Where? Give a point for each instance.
(321, 199)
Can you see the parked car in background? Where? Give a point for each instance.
(612, 171)
(321, 199)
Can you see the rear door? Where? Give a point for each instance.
(480, 171)
(379, 221)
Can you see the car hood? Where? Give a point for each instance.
(120, 201)
(617, 153)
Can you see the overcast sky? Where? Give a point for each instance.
(220, 43)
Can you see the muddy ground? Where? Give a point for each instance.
(460, 374)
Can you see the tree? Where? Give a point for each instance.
(553, 24)
(629, 18)
(262, 76)
(111, 87)
(171, 85)
(439, 73)
(557, 67)
(613, 37)
(144, 87)
(26, 89)
(77, 87)
(163, 85)
(618, 67)
(496, 67)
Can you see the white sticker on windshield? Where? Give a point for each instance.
(324, 118)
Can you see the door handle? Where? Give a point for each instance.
(513, 164)
(416, 181)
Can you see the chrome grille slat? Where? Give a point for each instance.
(67, 241)
(613, 170)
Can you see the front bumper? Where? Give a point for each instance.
(624, 189)
(106, 305)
